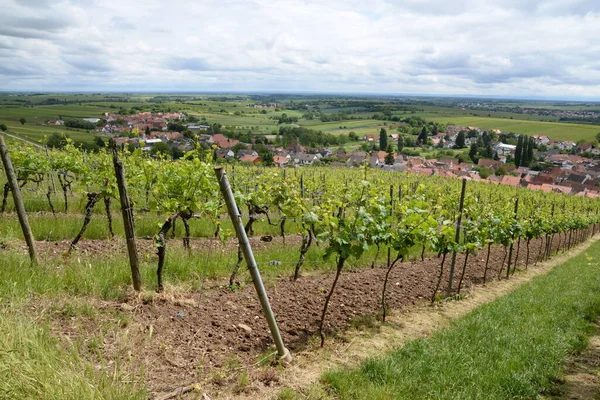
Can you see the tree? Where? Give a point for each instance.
(389, 157)
(161, 148)
(98, 140)
(484, 173)
(519, 151)
(473, 153)
(57, 140)
(400, 143)
(267, 158)
(22, 121)
(383, 139)
(530, 151)
(3, 127)
(460, 140)
(422, 138)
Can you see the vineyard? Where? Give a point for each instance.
(154, 240)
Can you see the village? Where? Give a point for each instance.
(569, 168)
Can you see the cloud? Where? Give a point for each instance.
(188, 64)
(504, 47)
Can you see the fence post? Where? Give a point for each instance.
(510, 250)
(389, 250)
(128, 221)
(456, 237)
(19, 207)
(236, 219)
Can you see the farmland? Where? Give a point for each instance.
(337, 248)
(234, 111)
(554, 130)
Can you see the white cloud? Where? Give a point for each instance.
(509, 47)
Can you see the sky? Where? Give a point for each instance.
(520, 48)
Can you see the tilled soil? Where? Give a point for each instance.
(205, 334)
(97, 247)
(181, 337)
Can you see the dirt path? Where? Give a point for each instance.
(581, 379)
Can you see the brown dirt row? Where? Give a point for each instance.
(180, 336)
(185, 338)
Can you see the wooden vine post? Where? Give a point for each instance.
(128, 222)
(510, 250)
(389, 250)
(19, 207)
(244, 244)
(456, 237)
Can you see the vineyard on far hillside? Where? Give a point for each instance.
(363, 223)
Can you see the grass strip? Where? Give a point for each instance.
(513, 347)
(33, 365)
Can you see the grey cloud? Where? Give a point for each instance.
(87, 63)
(122, 23)
(188, 63)
(32, 27)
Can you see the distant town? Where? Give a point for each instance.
(539, 163)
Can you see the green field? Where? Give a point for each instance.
(554, 130)
(231, 111)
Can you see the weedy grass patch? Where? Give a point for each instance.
(512, 348)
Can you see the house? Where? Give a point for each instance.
(305, 159)
(280, 160)
(491, 164)
(505, 149)
(542, 179)
(222, 141)
(370, 138)
(467, 167)
(565, 145)
(509, 180)
(246, 152)
(251, 159)
(541, 139)
(357, 158)
(149, 142)
(583, 147)
(225, 153)
(295, 147)
(576, 178)
(450, 162)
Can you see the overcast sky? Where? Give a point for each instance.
(504, 47)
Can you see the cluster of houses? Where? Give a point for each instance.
(570, 173)
(264, 105)
(116, 124)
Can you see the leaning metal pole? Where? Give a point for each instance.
(236, 219)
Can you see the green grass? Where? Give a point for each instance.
(66, 226)
(554, 130)
(34, 365)
(511, 348)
